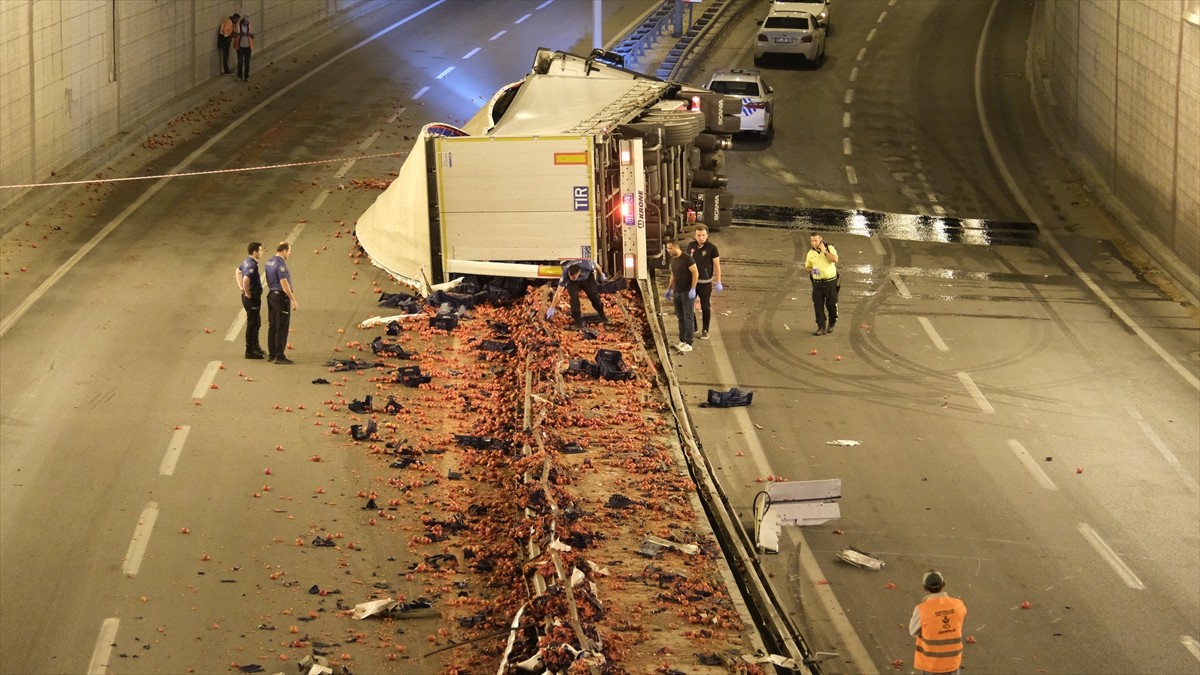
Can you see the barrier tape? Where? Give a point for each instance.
(200, 173)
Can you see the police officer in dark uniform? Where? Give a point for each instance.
(579, 275)
(281, 302)
(250, 285)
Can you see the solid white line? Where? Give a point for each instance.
(845, 120)
(1192, 646)
(846, 149)
(871, 35)
(497, 35)
(345, 168)
(141, 539)
(319, 200)
(236, 329)
(41, 290)
(471, 53)
(851, 177)
(754, 451)
(442, 75)
(420, 93)
(975, 393)
(1038, 475)
(522, 19)
(900, 285)
(206, 378)
(849, 97)
(933, 334)
(876, 243)
(104, 644)
(1114, 561)
(1164, 450)
(171, 457)
(370, 140)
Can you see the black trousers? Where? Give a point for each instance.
(243, 71)
(704, 291)
(825, 298)
(253, 305)
(279, 313)
(591, 289)
(223, 45)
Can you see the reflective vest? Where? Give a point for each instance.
(939, 644)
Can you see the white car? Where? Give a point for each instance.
(758, 106)
(790, 33)
(818, 8)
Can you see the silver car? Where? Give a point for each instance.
(790, 33)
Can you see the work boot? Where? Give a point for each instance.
(283, 360)
(254, 355)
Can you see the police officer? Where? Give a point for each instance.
(937, 624)
(708, 265)
(579, 275)
(821, 266)
(281, 302)
(250, 285)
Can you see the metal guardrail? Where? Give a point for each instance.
(643, 38)
(711, 16)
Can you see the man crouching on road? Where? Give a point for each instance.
(576, 276)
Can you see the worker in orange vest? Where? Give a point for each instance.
(937, 624)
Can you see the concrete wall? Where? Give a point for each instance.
(1123, 77)
(77, 74)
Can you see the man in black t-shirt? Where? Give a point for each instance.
(681, 287)
(708, 266)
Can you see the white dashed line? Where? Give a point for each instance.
(933, 334)
(369, 142)
(876, 243)
(861, 53)
(544, 4)
(319, 200)
(141, 539)
(900, 285)
(420, 93)
(846, 150)
(854, 74)
(849, 97)
(975, 393)
(171, 457)
(1164, 450)
(1192, 646)
(206, 378)
(851, 176)
(103, 649)
(345, 168)
(471, 53)
(1038, 475)
(882, 16)
(236, 329)
(871, 35)
(396, 115)
(1110, 556)
(442, 75)
(860, 205)
(497, 36)
(845, 120)
(294, 234)
(522, 19)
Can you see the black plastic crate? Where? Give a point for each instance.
(444, 321)
(729, 399)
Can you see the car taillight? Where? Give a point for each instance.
(806, 39)
(762, 37)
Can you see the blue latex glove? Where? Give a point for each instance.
(668, 294)
(691, 294)
(550, 313)
(719, 286)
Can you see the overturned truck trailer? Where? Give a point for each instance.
(580, 159)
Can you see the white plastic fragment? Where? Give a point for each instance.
(385, 320)
(690, 549)
(557, 545)
(364, 609)
(843, 442)
(860, 559)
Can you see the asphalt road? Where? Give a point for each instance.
(113, 436)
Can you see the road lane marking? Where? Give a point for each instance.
(871, 35)
(933, 334)
(236, 329)
(471, 53)
(294, 234)
(497, 36)
(544, 4)
(901, 287)
(41, 290)
(861, 53)
(370, 140)
(396, 115)
(206, 378)
(1164, 450)
(846, 148)
(851, 176)
(1110, 556)
(345, 168)
(171, 457)
(1191, 644)
(420, 93)
(1035, 469)
(860, 205)
(141, 539)
(754, 450)
(882, 16)
(845, 120)
(849, 97)
(104, 644)
(319, 200)
(975, 393)
(854, 74)
(522, 19)
(876, 244)
(442, 75)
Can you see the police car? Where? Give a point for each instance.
(758, 106)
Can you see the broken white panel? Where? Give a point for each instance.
(843, 442)
(385, 320)
(860, 559)
(689, 549)
(801, 502)
(364, 609)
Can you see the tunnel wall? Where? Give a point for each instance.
(78, 74)
(1122, 79)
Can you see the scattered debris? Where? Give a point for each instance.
(728, 399)
(860, 559)
(844, 443)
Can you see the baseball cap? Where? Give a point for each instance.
(933, 581)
